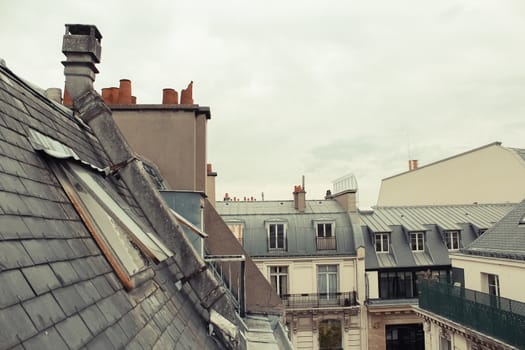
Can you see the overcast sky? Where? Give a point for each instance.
(314, 88)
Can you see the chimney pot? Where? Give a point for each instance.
(186, 95)
(115, 92)
(68, 102)
(133, 100)
(124, 97)
(412, 164)
(170, 97)
(107, 95)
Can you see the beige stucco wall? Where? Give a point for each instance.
(511, 274)
(175, 140)
(490, 174)
(302, 272)
(373, 284)
(433, 334)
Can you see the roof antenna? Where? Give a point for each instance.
(304, 189)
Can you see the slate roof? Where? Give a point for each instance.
(506, 239)
(57, 290)
(301, 234)
(398, 222)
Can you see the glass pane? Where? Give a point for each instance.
(328, 230)
(92, 182)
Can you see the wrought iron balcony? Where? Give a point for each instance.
(319, 300)
(326, 243)
(494, 316)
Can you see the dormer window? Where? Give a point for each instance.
(382, 241)
(452, 240)
(276, 235)
(325, 234)
(417, 240)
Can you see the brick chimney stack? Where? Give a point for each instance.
(299, 198)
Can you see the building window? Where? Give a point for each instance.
(325, 232)
(330, 335)
(279, 279)
(493, 284)
(397, 285)
(324, 229)
(417, 241)
(277, 236)
(405, 337)
(327, 281)
(452, 240)
(121, 236)
(382, 242)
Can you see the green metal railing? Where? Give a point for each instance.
(494, 316)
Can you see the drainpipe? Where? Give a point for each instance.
(81, 46)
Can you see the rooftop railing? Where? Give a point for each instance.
(319, 300)
(494, 316)
(326, 243)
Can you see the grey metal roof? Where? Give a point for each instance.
(57, 289)
(398, 222)
(506, 239)
(301, 235)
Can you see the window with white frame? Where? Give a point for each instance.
(382, 242)
(327, 281)
(417, 240)
(324, 229)
(276, 236)
(279, 279)
(493, 284)
(452, 240)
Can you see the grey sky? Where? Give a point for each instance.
(314, 88)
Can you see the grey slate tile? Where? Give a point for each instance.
(69, 299)
(102, 286)
(117, 336)
(39, 251)
(41, 278)
(88, 292)
(164, 342)
(94, 319)
(48, 340)
(74, 332)
(44, 311)
(131, 323)
(15, 325)
(64, 272)
(78, 247)
(109, 310)
(13, 227)
(10, 183)
(100, 342)
(148, 336)
(12, 203)
(13, 255)
(134, 345)
(13, 288)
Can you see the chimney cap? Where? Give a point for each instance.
(83, 29)
(81, 40)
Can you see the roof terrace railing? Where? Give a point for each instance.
(494, 316)
(319, 300)
(326, 243)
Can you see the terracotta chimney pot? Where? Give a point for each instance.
(115, 92)
(68, 101)
(170, 97)
(124, 97)
(133, 100)
(186, 95)
(107, 95)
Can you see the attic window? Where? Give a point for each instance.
(118, 233)
(382, 242)
(417, 241)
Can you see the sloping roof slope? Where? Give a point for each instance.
(398, 222)
(506, 239)
(301, 233)
(57, 289)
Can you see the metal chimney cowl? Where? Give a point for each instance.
(81, 46)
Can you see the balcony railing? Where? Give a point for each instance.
(317, 300)
(494, 316)
(326, 243)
